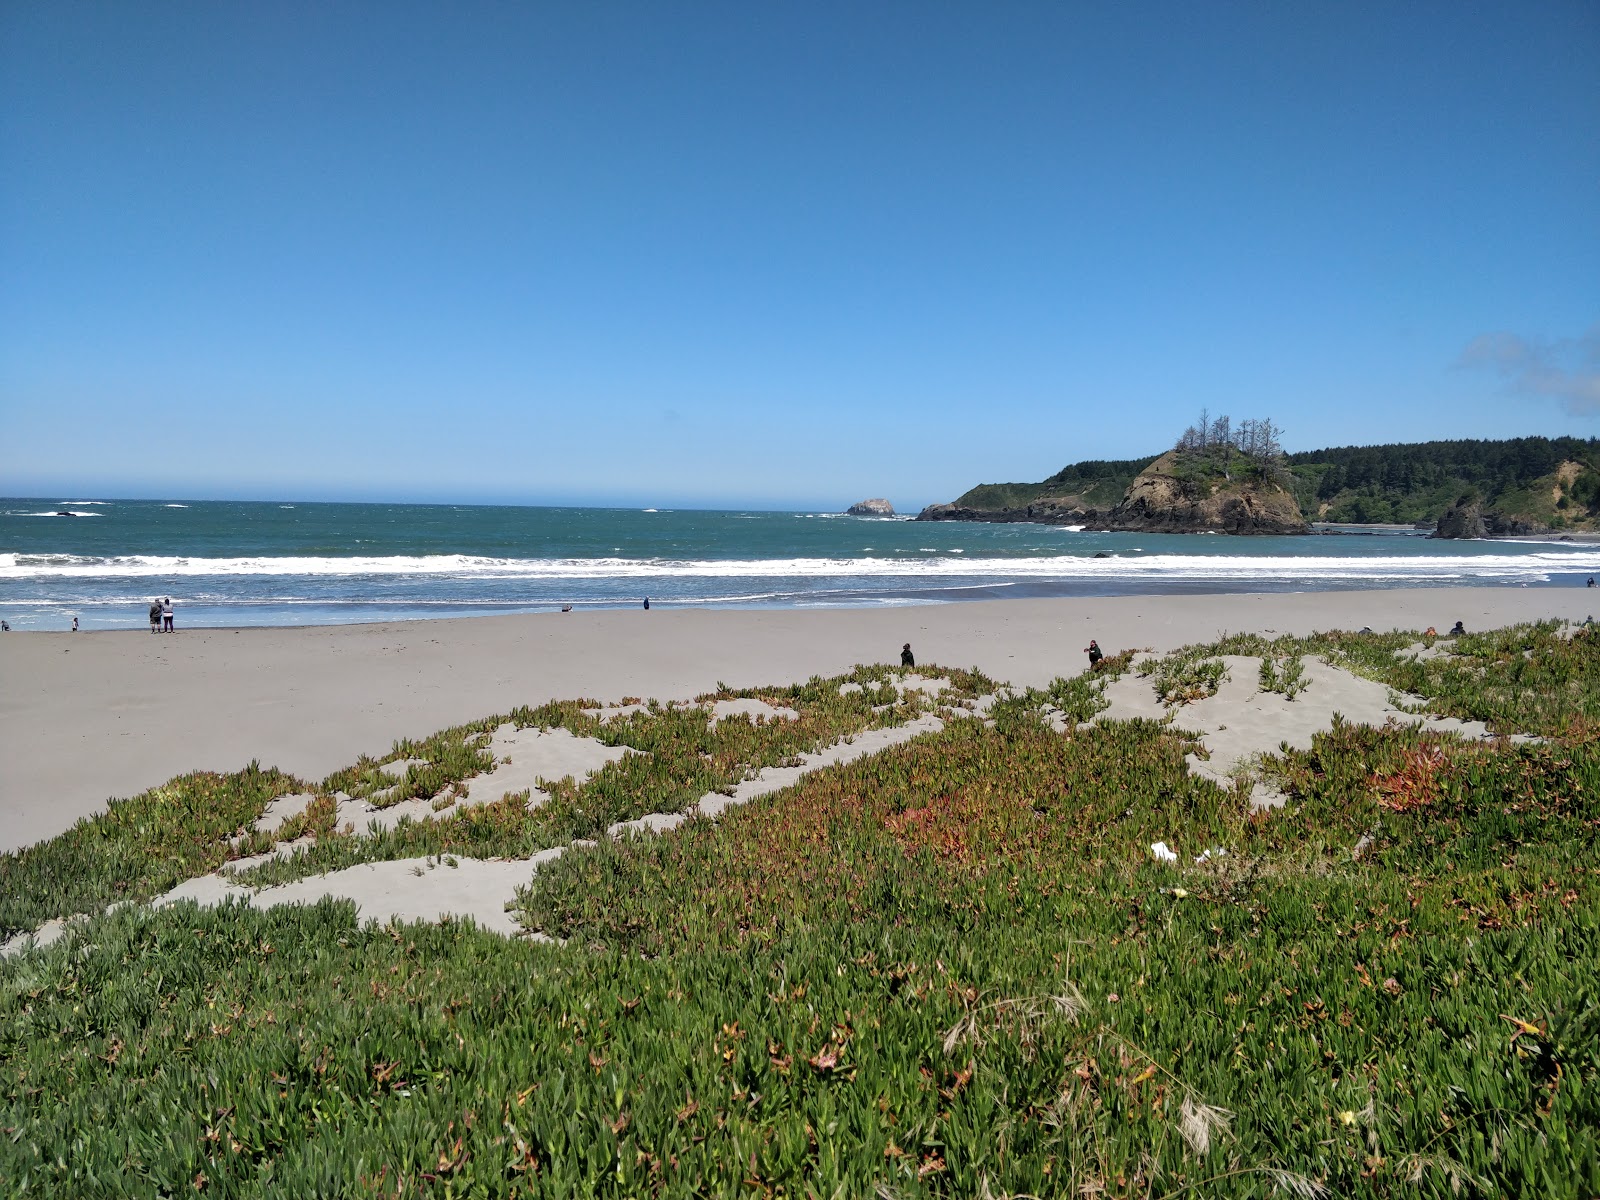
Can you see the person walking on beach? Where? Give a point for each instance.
(155, 616)
(166, 615)
(647, 604)
(74, 624)
(1095, 654)
(907, 659)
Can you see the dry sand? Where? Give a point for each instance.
(89, 716)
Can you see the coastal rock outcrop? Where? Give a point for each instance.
(1462, 520)
(1466, 519)
(1047, 511)
(1174, 493)
(1169, 496)
(871, 508)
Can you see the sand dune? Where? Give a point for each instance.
(90, 716)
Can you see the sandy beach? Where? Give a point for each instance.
(92, 716)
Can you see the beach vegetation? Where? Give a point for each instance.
(1071, 699)
(1185, 675)
(679, 754)
(1539, 679)
(1285, 675)
(137, 848)
(950, 968)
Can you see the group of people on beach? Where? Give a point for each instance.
(161, 615)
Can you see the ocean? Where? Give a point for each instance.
(230, 563)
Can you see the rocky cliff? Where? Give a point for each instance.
(1174, 494)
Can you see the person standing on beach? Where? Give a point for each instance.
(74, 624)
(166, 615)
(155, 616)
(647, 604)
(907, 659)
(1095, 654)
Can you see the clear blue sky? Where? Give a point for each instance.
(776, 254)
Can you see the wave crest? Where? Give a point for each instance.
(1158, 567)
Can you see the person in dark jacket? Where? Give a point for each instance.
(907, 659)
(1095, 654)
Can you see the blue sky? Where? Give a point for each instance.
(777, 254)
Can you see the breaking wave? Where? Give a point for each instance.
(1165, 568)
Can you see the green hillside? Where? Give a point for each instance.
(1096, 483)
(1551, 482)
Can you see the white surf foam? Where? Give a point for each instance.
(1166, 568)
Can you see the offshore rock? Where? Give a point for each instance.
(871, 508)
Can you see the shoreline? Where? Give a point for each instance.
(91, 716)
(337, 613)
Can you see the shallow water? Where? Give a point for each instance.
(249, 563)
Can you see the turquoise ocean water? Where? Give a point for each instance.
(236, 563)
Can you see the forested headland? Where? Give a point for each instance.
(1520, 484)
(1551, 481)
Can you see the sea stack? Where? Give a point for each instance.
(871, 508)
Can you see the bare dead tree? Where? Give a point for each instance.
(1222, 432)
(1247, 438)
(1258, 439)
(1270, 438)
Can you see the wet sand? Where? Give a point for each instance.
(90, 716)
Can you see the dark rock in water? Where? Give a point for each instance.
(1102, 554)
(1462, 520)
(1466, 519)
(1047, 511)
(871, 508)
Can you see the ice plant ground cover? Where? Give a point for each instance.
(951, 968)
